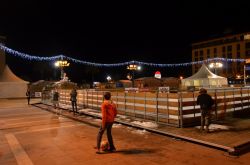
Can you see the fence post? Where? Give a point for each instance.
(180, 109)
(65, 94)
(241, 99)
(87, 100)
(96, 92)
(215, 104)
(194, 102)
(248, 96)
(168, 107)
(225, 104)
(134, 105)
(92, 98)
(117, 100)
(145, 101)
(125, 100)
(157, 110)
(84, 98)
(233, 100)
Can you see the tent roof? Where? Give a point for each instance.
(204, 72)
(8, 76)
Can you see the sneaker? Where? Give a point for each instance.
(111, 150)
(98, 151)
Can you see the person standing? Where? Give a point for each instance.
(43, 93)
(109, 113)
(56, 101)
(28, 95)
(73, 99)
(206, 102)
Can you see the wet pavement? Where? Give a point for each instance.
(32, 135)
(229, 134)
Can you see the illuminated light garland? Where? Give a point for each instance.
(60, 57)
(27, 56)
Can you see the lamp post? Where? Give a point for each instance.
(215, 66)
(246, 68)
(62, 64)
(244, 75)
(108, 78)
(133, 68)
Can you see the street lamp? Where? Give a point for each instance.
(215, 65)
(62, 64)
(246, 68)
(132, 67)
(108, 78)
(108, 85)
(129, 76)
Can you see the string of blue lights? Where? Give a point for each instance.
(63, 57)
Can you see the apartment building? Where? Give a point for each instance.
(235, 46)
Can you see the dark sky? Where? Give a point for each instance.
(110, 32)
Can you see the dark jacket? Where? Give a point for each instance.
(73, 95)
(28, 94)
(55, 96)
(205, 101)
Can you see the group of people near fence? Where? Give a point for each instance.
(109, 112)
(73, 99)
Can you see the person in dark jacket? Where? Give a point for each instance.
(206, 102)
(73, 99)
(55, 100)
(109, 113)
(28, 95)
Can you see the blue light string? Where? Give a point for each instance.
(60, 57)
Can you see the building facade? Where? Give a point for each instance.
(230, 46)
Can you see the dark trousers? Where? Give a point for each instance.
(28, 99)
(74, 106)
(205, 119)
(108, 126)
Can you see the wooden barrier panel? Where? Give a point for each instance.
(229, 93)
(173, 104)
(190, 111)
(173, 95)
(220, 93)
(187, 95)
(166, 107)
(188, 103)
(169, 112)
(191, 121)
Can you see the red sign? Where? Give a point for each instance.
(158, 74)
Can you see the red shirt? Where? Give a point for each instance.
(109, 112)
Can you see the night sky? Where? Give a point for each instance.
(110, 32)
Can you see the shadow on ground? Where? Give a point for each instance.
(132, 151)
(136, 151)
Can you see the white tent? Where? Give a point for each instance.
(204, 78)
(11, 86)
